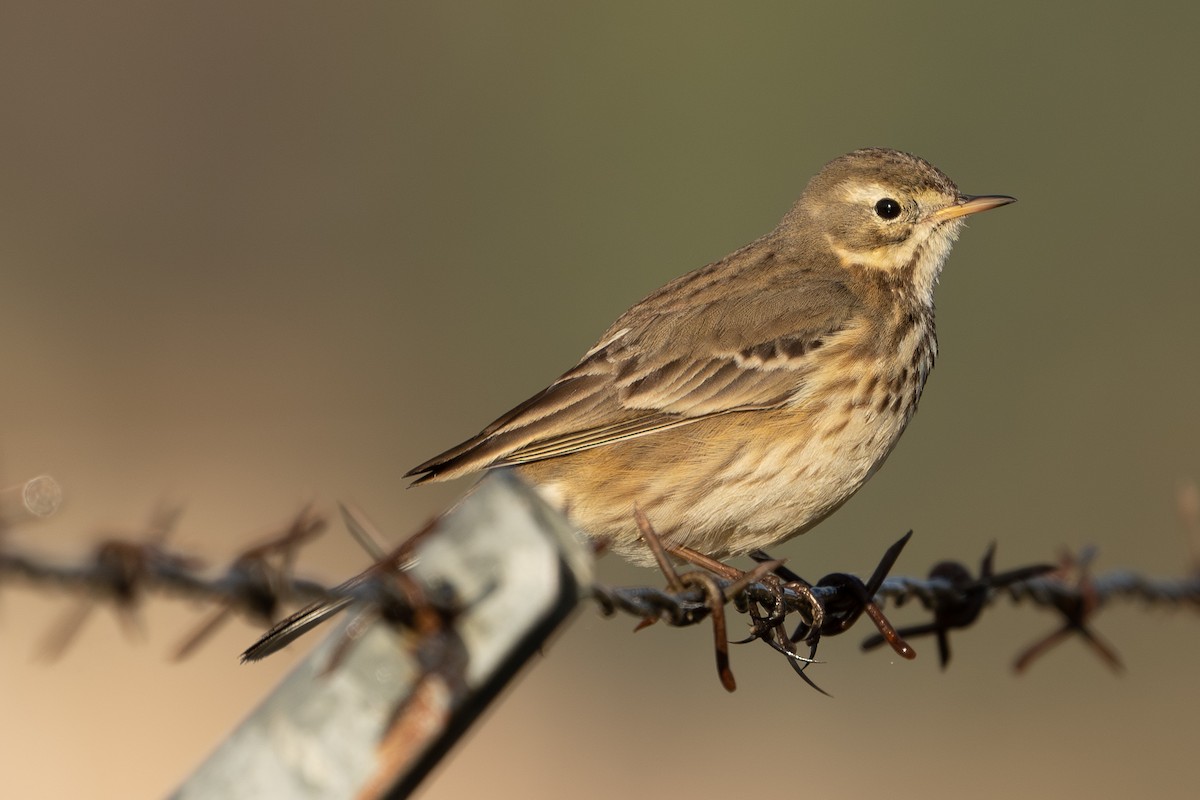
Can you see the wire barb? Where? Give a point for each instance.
(259, 582)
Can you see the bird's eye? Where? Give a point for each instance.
(887, 208)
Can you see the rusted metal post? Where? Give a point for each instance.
(396, 701)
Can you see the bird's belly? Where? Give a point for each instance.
(726, 484)
(788, 485)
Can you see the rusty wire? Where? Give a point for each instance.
(259, 583)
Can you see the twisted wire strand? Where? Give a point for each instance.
(258, 582)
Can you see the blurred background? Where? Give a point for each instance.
(256, 255)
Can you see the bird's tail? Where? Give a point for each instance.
(288, 630)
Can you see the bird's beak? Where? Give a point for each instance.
(971, 205)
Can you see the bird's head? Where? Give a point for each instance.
(886, 211)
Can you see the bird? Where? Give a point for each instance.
(744, 402)
(741, 404)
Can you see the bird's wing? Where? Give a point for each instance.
(692, 350)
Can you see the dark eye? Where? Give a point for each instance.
(887, 208)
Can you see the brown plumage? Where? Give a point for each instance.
(742, 403)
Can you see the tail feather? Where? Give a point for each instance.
(287, 631)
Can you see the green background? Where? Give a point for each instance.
(256, 254)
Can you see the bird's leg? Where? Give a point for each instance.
(655, 543)
(767, 627)
(765, 573)
(698, 559)
(720, 582)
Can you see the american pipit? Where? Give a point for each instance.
(742, 403)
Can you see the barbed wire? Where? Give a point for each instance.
(259, 583)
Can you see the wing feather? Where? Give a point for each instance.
(701, 346)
